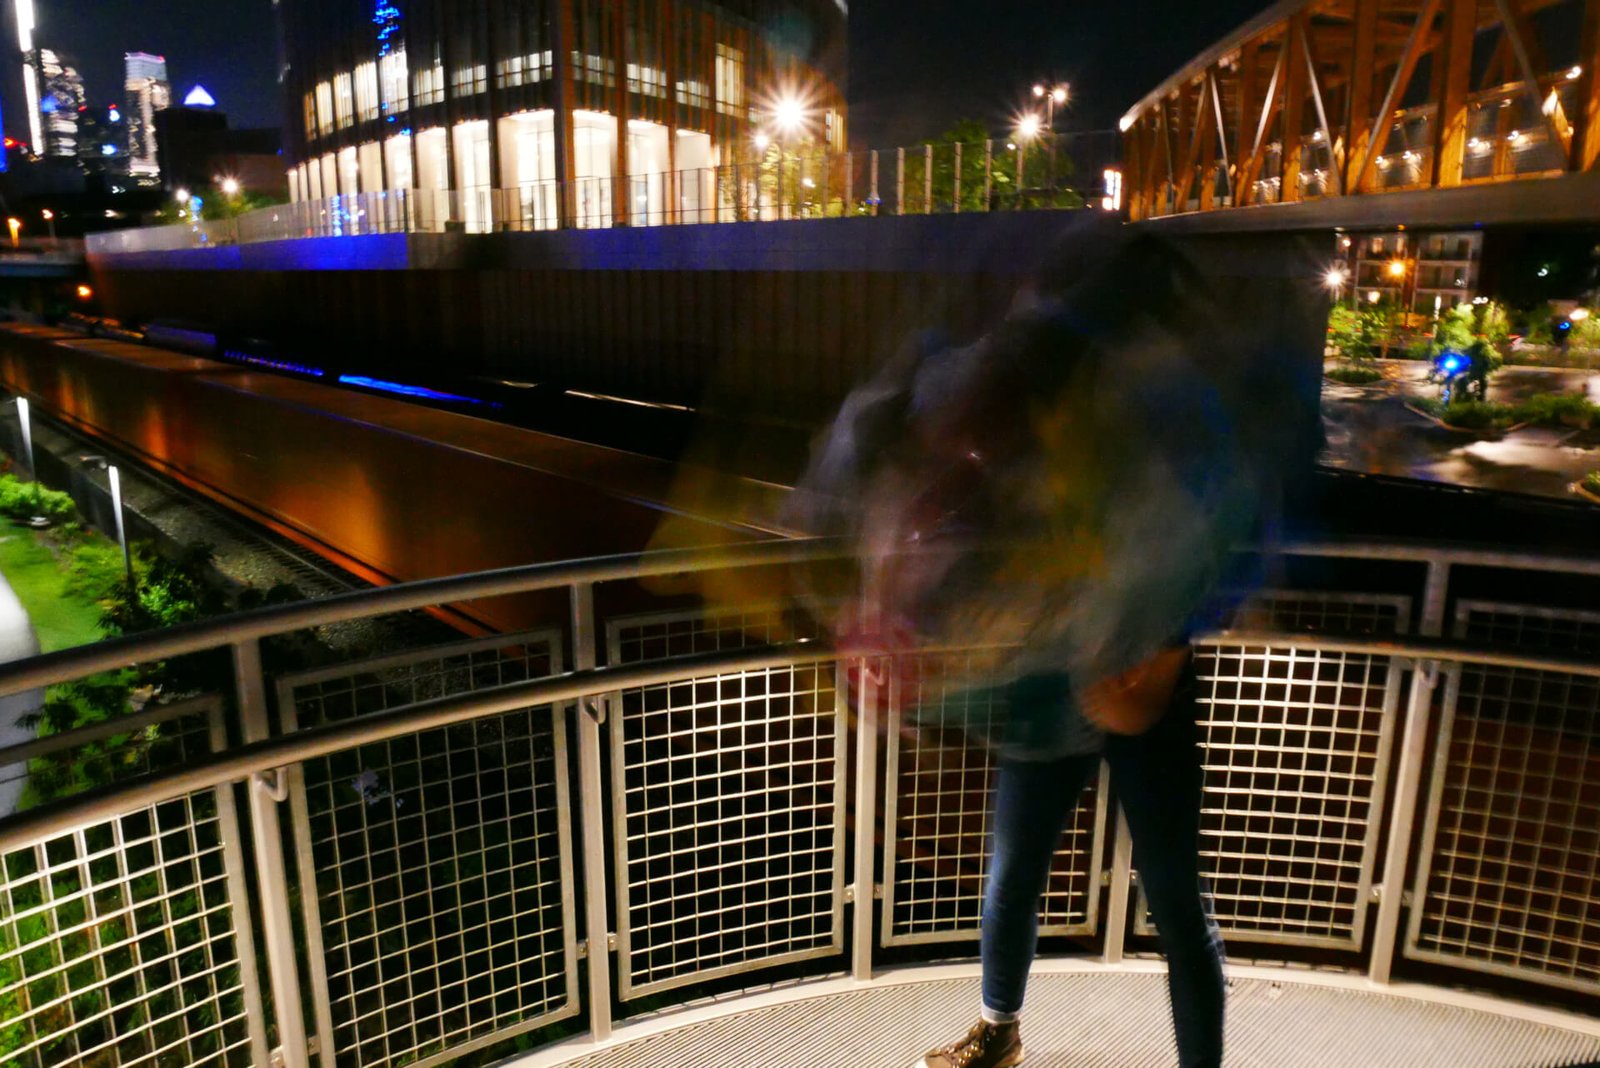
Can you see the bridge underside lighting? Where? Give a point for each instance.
(406, 390)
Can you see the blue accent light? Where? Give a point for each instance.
(407, 391)
(1451, 363)
(275, 365)
(108, 150)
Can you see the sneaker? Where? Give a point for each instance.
(987, 1045)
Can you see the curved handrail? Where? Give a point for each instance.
(281, 619)
(197, 636)
(238, 763)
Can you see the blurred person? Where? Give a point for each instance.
(1062, 496)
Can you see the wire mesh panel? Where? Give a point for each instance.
(1552, 631)
(1326, 612)
(1509, 879)
(728, 802)
(941, 766)
(1295, 750)
(127, 942)
(433, 867)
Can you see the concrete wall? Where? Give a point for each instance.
(776, 317)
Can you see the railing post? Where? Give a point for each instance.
(927, 179)
(874, 196)
(899, 181)
(592, 803)
(1402, 819)
(277, 926)
(1121, 889)
(849, 184)
(988, 175)
(866, 811)
(955, 198)
(1435, 596)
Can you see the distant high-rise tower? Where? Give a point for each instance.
(30, 73)
(147, 93)
(60, 100)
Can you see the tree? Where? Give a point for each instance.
(1353, 332)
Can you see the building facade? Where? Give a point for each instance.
(538, 113)
(1422, 273)
(147, 92)
(60, 101)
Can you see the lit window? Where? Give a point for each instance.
(392, 82)
(343, 100)
(649, 81)
(523, 70)
(311, 115)
(695, 94)
(595, 69)
(429, 84)
(470, 81)
(324, 108)
(367, 92)
(730, 79)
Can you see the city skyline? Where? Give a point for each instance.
(961, 61)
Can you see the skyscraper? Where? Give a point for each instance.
(60, 100)
(30, 73)
(147, 93)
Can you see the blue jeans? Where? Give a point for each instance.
(1156, 776)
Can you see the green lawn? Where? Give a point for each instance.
(61, 620)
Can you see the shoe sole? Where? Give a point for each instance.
(922, 1062)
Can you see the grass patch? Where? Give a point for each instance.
(1560, 409)
(61, 617)
(1352, 375)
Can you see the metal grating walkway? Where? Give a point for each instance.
(1100, 1020)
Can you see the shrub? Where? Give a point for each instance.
(1467, 414)
(24, 500)
(1559, 409)
(1354, 376)
(1591, 482)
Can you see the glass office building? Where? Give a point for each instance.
(536, 113)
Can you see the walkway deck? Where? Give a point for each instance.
(1088, 1016)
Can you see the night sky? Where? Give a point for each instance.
(916, 66)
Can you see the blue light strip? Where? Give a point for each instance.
(276, 365)
(408, 391)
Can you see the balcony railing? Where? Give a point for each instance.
(922, 180)
(453, 846)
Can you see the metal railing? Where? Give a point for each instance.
(1371, 796)
(779, 185)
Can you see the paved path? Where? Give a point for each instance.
(17, 641)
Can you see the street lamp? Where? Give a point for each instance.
(1027, 130)
(230, 187)
(113, 476)
(16, 231)
(27, 433)
(50, 218)
(1335, 278)
(1052, 95)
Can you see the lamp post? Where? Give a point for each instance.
(15, 225)
(50, 220)
(115, 479)
(1027, 130)
(1052, 95)
(27, 433)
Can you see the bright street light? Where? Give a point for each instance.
(762, 141)
(1028, 127)
(230, 187)
(1578, 315)
(181, 195)
(790, 114)
(1335, 278)
(1397, 268)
